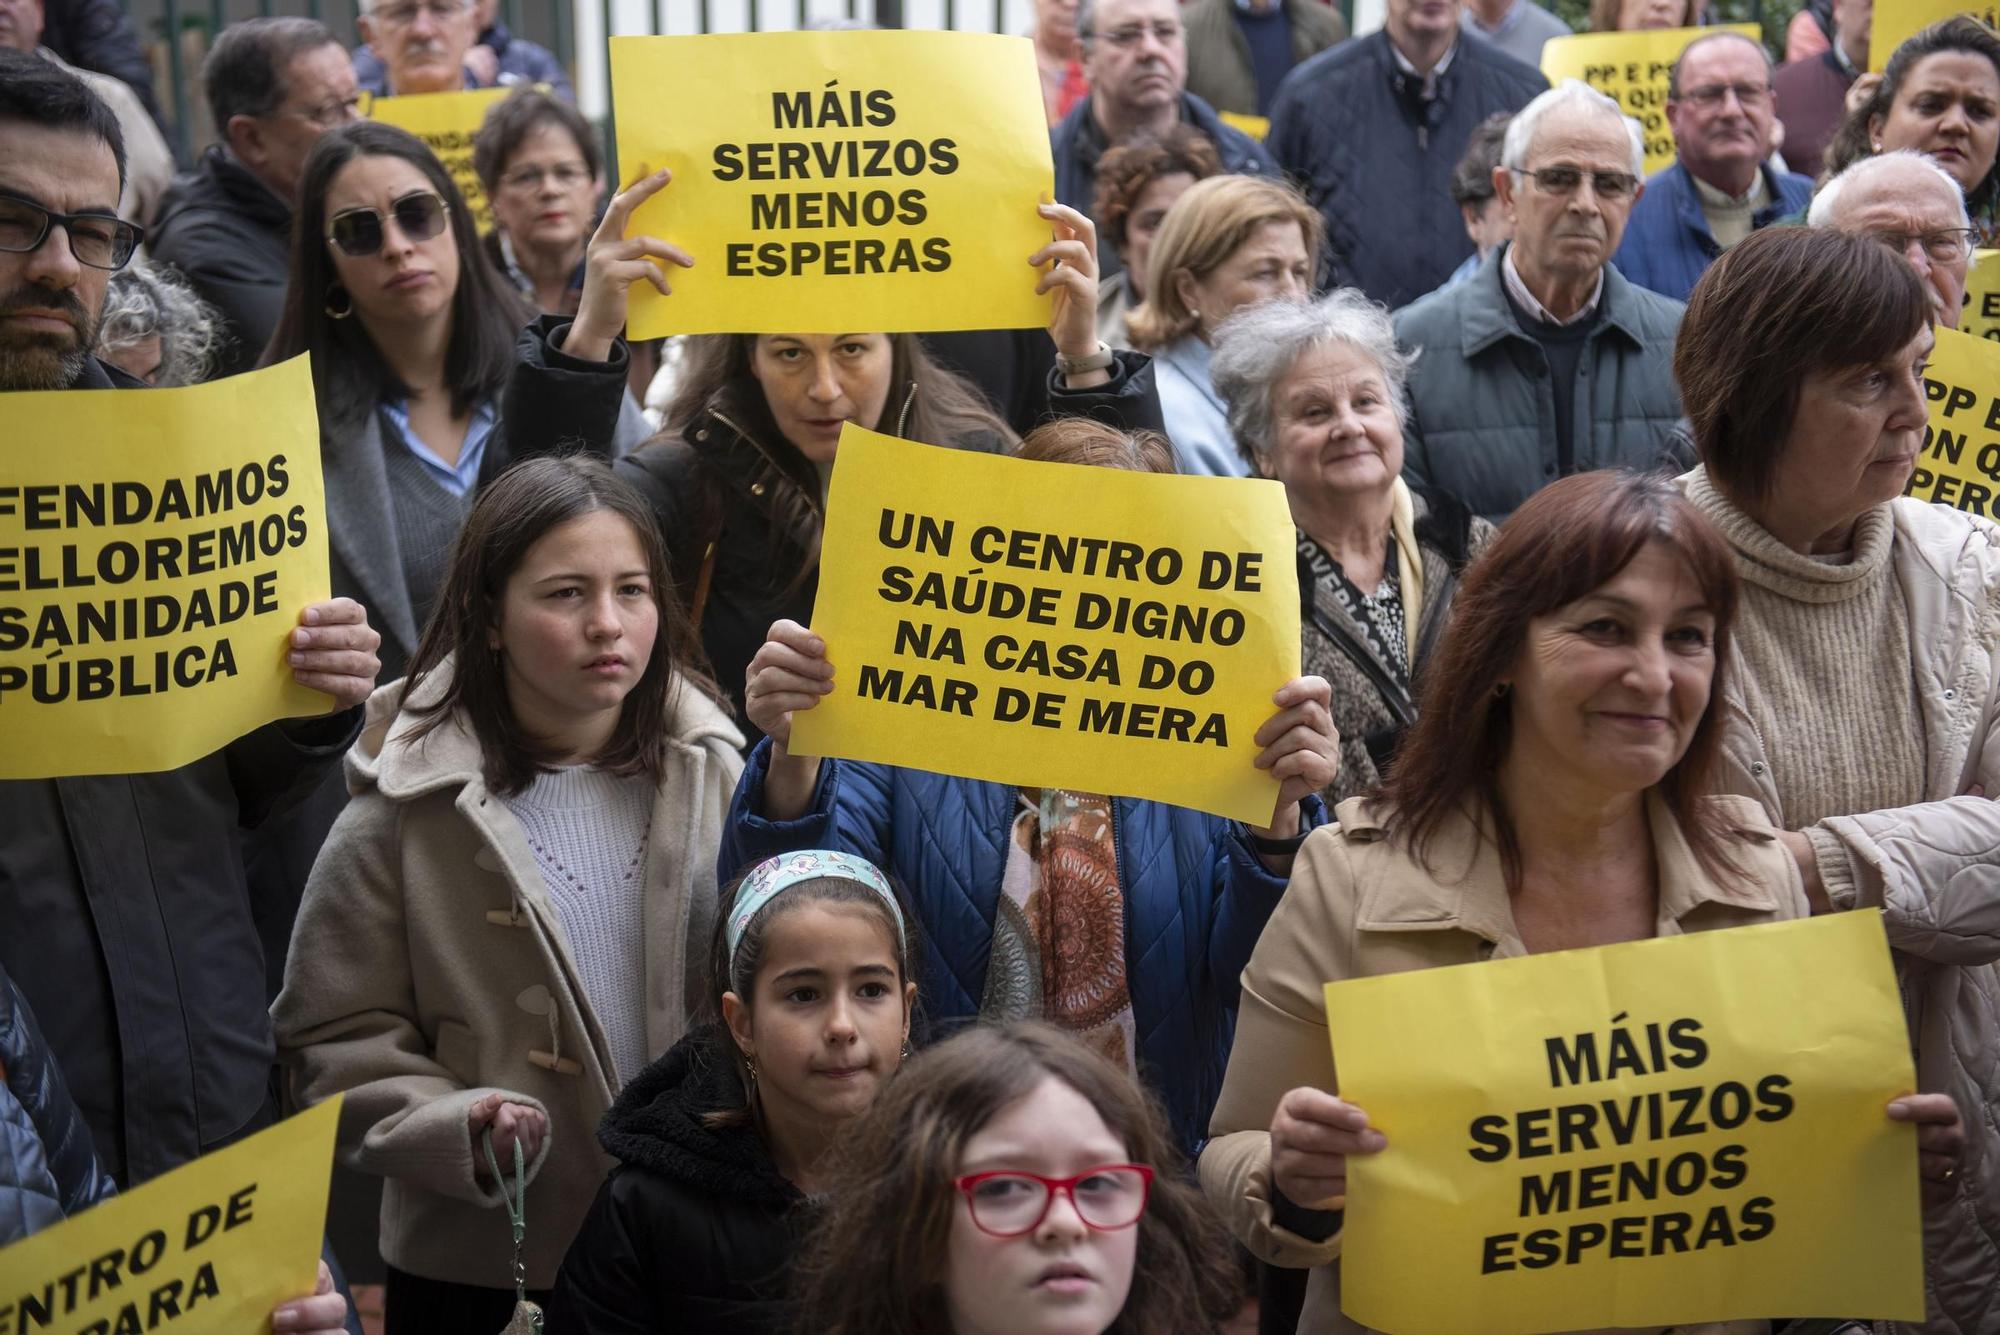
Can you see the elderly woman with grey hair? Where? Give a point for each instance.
(156, 328)
(1315, 400)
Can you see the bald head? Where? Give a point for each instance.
(1910, 203)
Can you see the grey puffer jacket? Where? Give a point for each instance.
(47, 1169)
(1933, 869)
(1482, 415)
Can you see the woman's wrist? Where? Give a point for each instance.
(790, 783)
(585, 344)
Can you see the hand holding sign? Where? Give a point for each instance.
(325, 1313)
(1301, 749)
(1072, 277)
(1940, 1140)
(1312, 1133)
(333, 650)
(612, 263)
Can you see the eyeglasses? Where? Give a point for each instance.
(1710, 95)
(1007, 1205)
(420, 215)
(566, 175)
(327, 115)
(1947, 245)
(402, 16)
(1166, 32)
(100, 240)
(1564, 180)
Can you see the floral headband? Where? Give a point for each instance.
(773, 876)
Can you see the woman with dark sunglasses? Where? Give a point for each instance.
(1011, 1181)
(412, 337)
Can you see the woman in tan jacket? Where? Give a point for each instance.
(497, 933)
(1549, 798)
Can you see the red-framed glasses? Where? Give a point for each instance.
(1008, 1204)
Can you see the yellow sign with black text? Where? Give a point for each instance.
(1979, 313)
(1666, 1132)
(447, 122)
(1632, 69)
(1896, 21)
(1960, 463)
(837, 182)
(156, 549)
(208, 1249)
(1054, 625)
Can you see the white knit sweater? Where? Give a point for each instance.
(588, 830)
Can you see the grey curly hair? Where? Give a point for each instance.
(1257, 347)
(144, 301)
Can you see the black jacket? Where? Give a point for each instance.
(725, 479)
(232, 237)
(1376, 160)
(127, 922)
(99, 35)
(695, 1231)
(47, 1171)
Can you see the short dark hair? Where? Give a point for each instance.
(350, 376)
(1779, 305)
(513, 119)
(244, 74)
(1674, 71)
(510, 516)
(1124, 172)
(41, 92)
(1472, 178)
(1568, 539)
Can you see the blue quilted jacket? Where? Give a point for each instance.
(1196, 898)
(47, 1169)
(1668, 246)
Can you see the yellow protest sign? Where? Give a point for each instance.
(1960, 465)
(446, 122)
(1896, 21)
(208, 1249)
(1632, 69)
(155, 550)
(837, 182)
(1672, 1131)
(1053, 625)
(1979, 313)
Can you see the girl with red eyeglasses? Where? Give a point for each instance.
(1011, 1181)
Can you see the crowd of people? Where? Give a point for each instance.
(1615, 624)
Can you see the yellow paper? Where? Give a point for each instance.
(208, 1249)
(446, 122)
(1979, 314)
(1896, 21)
(1122, 676)
(1771, 1053)
(156, 548)
(1632, 68)
(837, 182)
(1960, 465)
(1254, 126)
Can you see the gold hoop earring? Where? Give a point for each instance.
(335, 290)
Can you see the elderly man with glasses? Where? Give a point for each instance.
(421, 45)
(1135, 57)
(1721, 109)
(1548, 362)
(274, 86)
(1913, 206)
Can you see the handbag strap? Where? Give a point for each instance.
(517, 1206)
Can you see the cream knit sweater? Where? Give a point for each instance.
(1822, 654)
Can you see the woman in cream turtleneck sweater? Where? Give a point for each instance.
(1862, 706)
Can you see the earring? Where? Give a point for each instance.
(906, 1049)
(750, 1068)
(334, 291)
(1878, 146)
(1500, 691)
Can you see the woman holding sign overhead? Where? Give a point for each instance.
(1864, 697)
(1550, 797)
(738, 477)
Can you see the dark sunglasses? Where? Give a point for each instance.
(419, 215)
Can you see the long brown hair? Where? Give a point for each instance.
(875, 1264)
(510, 516)
(927, 403)
(1855, 139)
(1571, 537)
